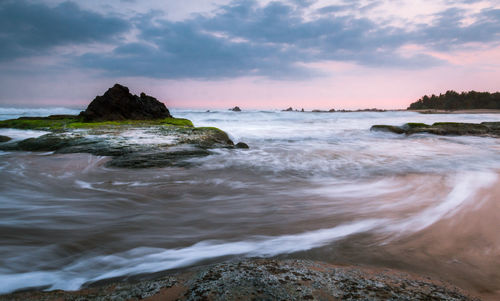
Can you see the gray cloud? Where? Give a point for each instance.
(448, 32)
(28, 29)
(243, 38)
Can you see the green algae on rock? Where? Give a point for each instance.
(132, 144)
(487, 129)
(4, 139)
(66, 122)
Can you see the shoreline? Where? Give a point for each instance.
(290, 279)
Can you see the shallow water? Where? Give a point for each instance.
(312, 185)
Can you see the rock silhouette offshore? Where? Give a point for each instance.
(118, 103)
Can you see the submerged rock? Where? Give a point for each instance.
(4, 138)
(241, 145)
(119, 104)
(491, 129)
(169, 157)
(235, 109)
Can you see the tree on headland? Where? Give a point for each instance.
(453, 100)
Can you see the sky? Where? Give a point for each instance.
(256, 54)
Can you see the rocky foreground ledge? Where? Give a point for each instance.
(135, 131)
(264, 279)
(486, 129)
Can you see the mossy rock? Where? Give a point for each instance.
(444, 128)
(71, 135)
(180, 122)
(157, 159)
(241, 145)
(67, 122)
(208, 137)
(493, 126)
(387, 128)
(37, 123)
(412, 125)
(456, 128)
(4, 139)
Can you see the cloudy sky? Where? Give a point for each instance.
(252, 53)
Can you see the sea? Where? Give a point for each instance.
(317, 186)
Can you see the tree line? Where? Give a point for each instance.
(452, 100)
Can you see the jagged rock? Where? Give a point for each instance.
(235, 109)
(119, 104)
(290, 109)
(4, 138)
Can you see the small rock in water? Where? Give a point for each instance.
(290, 109)
(241, 145)
(4, 138)
(235, 109)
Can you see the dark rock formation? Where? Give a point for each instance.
(4, 138)
(241, 145)
(331, 110)
(491, 129)
(235, 109)
(119, 104)
(290, 109)
(190, 143)
(264, 279)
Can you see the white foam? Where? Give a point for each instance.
(144, 137)
(83, 184)
(150, 260)
(465, 186)
(16, 134)
(11, 113)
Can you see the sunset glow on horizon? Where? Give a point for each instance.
(253, 54)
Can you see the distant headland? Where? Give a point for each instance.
(453, 101)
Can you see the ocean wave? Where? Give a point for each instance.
(150, 260)
(12, 113)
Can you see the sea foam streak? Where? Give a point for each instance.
(149, 260)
